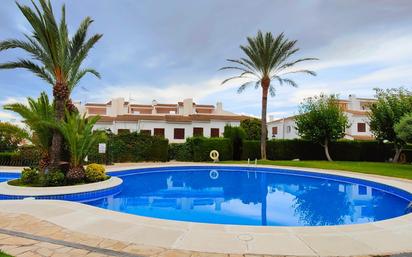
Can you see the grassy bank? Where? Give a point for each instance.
(377, 168)
(2, 254)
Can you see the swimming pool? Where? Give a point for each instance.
(254, 196)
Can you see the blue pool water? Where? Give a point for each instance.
(261, 196)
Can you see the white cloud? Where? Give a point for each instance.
(6, 116)
(391, 74)
(12, 100)
(364, 48)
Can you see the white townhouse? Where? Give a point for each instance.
(356, 109)
(176, 122)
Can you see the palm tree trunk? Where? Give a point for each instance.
(263, 135)
(57, 141)
(61, 94)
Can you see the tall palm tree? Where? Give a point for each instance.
(267, 60)
(55, 57)
(37, 115)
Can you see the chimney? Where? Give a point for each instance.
(154, 103)
(117, 107)
(219, 108)
(188, 106)
(354, 103)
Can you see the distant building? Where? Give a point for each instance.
(175, 122)
(356, 109)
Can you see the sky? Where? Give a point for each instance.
(171, 50)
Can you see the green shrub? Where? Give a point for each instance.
(25, 156)
(53, 178)
(158, 150)
(236, 135)
(343, 150)
(202, 146)
(29, 176)
(130, 147)
(251, 149)
(284, 149)
(95, 172)
(180, 152)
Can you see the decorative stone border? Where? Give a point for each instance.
(385, 237)
(69, 193)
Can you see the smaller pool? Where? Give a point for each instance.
(6, 176)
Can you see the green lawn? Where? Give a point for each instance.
(378, 168)
(2, 254)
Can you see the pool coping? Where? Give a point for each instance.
(390, 236)
(18, 191)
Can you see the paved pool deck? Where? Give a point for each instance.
(156, 237)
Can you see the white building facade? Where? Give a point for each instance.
(176, 122)
(356, 109)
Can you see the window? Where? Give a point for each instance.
(362, 190)
(198, 132)
(214, 132)
(146, 132)
(123, 131)
(179, 133)
(288, 129)
(361, 127)
(159, 132)
(274, 131)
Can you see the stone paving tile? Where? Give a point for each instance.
(23, 247)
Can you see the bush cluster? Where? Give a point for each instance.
(130, 147)
(33, 177)
(53, 178)
(344, 150)
(29, 176)
(24, 156)
(95, 172)
(198, 149)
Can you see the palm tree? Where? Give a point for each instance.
(37, 115)
(267, 60)
(78, 132)
(55, 58)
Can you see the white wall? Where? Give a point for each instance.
(168, 126)
(353, 129)
(283, 132)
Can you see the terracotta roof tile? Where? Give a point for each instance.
(356, 112)
(95, 104)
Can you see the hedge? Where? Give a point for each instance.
(25, 156)
(131, 147)
(251, 149)
(345, 150)
(198, 149)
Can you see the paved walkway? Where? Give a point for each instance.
(32, 231)
(25, 236)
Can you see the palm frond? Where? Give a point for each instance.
(31, 66)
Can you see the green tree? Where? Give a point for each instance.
(37, 114)
(390, 107)
(267, 61)
(404, 128)
(56, 58)
(11, 136)
(236, 136)
(321, 120)
(78, 132)
(252, 128)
